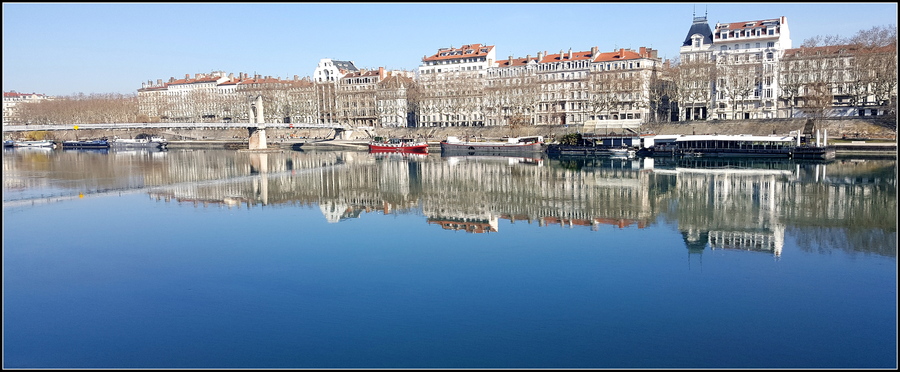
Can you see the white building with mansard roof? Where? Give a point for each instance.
(745, 56)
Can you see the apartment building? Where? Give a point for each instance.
(451, 83)
(838, 80)
(733, 69)
(217, 97)
(331, 70)
(571, 88)
(11, 102)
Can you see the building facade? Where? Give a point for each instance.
(11, 102)
(733, 69)
(451, 86)
(571, 88)
(838, 81)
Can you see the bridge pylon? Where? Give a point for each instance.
(257, 133)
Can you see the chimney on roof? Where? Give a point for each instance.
(197, 76)
(527, 59)
(570, 53)
(231, 76)
(296, 77)
(187, 76)
(510, 60)
(540, 56)
(621, 52)
(561, 55)
(158, 81)
(381, 75)
(171, 79)
(642, 51)
(593, 51)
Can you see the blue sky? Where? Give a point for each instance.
(66, 48)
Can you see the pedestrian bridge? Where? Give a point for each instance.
(28, 128)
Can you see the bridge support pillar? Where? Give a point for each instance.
(258, 133)
(257, 138)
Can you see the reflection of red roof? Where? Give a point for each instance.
(465, 51)
(472, 227)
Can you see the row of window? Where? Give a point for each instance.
(746, 33)
(770, 44)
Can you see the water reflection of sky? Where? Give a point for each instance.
(135, 280)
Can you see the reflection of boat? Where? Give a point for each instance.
(134, 151)
(96, 150)
(398, 145)
(42, 143)
(153, 142)
(91, 144)
(512, 145)
(511, 160)
(399, 155)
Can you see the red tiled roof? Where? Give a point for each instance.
(837, 49)
(619, 55)
(465, 51)
(202, 79)
(17, 94)
(747, 24)
(576, 56)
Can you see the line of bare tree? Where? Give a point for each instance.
(81, 109)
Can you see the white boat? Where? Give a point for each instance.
(622, 153)
(512, 145)
(152, 142)
(43, 143)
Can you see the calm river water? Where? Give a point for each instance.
(328, 259)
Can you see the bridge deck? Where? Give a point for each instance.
(27, 128)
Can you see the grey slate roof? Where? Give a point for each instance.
(699, 27)
(345, 65)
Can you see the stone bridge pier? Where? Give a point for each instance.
(257, 133)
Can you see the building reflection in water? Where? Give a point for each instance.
(717, 203)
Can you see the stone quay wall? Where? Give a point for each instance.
(881, 128)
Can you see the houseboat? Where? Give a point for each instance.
(90, 144)
(533, 144)
(397, 145)
(42, 143)
(707, 145)
(152, 142)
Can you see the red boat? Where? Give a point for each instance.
(398, 145)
